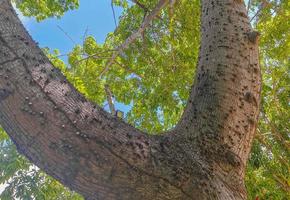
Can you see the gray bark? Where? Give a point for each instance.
(102, 157)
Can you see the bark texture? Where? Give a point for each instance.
(102, 157)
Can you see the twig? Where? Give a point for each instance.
(114, 14)
(85, 35)
(276, 133)
(110, 99)
(171, 3)
(66, 34)
(95, 55)
(161, 4)
(92, 56)
(140, 5)
(143, 7)
(284, 183)
(58, 56)
(263, 141)
(280, 179)
(249, 4)
(129, 70)
(262, 6)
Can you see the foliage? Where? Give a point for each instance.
(42, 9)
(268, 170)
(25, 181)
(154, 76)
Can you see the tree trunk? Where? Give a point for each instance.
(102, 157)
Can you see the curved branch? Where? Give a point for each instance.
(73, 140)
(222, 111)
(102, 157)
(147, 20)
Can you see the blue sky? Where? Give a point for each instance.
(94, 15)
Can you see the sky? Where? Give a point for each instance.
(93, 17)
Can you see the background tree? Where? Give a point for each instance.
(159, 66)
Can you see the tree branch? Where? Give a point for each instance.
(144, 8)
(140, 5)
(171, 7)
(222, 111)
(282, 182)
(263, 141)
(148, 19)
(114, 15)
(263, 5)
(70, 138)
(249, 5)
(285, 186)
(66, 34)
(276, 133)
(110, 99)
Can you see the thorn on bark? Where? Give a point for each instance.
(253, 36)
(233, 159)
(119, 114)
(4, 93)
(250, 98)
(251, 120)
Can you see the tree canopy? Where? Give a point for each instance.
(153, 75)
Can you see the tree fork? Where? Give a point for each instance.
(102, 157)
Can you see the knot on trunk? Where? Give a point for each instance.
(4, 93)
(253, 36)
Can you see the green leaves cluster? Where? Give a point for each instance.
(42, 9)
(154, 76)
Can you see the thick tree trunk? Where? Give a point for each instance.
(102, 157)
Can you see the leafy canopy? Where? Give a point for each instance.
(42, 9)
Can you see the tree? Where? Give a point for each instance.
(204, 156)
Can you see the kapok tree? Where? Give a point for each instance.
(101, 156)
